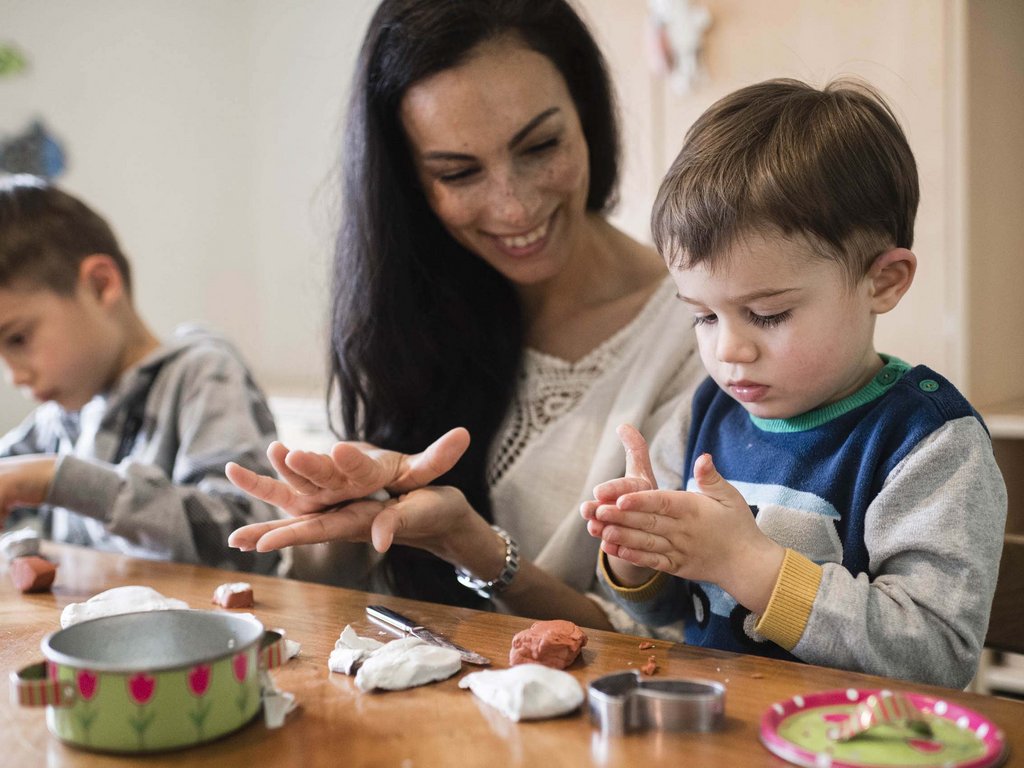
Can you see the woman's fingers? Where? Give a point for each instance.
(438, 457)
(259, 486)
(349, 523)
(278, 454)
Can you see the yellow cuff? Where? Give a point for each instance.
(789, 607)
(637, 594)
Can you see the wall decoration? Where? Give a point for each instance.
(12, 61)
(35, 150)
(675, 36)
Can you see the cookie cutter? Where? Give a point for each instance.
(624, 702)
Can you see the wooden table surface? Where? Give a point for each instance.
(437, 724)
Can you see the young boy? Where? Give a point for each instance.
(878, 509)
(127, 450)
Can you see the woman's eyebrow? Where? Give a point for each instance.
(520, 135)
(523, 132)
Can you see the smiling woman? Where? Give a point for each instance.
(478, 285)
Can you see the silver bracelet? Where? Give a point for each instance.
(488, 589)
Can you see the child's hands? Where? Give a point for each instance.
(709, 536)
(24, 481)
(639, 477)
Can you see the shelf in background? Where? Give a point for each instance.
(1005, 420)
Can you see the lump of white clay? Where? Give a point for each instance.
(349, 650)
(407, 663)
(526, 691)
(118, 600)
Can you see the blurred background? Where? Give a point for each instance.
(207, 132)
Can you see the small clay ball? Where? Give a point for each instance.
(32, 573)
(554, 644)
(233, 595)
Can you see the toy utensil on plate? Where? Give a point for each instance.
(859, 728)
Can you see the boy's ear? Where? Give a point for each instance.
(890, 275)
(98, 274)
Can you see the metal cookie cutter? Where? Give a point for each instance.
(626, 703)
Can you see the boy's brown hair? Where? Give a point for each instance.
(832, 165)
(45, 233)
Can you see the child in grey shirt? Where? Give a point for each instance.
(126, 451)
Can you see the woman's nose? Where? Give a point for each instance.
(513, 201)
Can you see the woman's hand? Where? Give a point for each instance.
(437, 519)
(317, 482)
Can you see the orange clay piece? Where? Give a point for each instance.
(32, 573)
(554, 644)
(650, 667)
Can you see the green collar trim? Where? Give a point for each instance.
(883, 381)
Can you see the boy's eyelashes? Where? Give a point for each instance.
(760, 321)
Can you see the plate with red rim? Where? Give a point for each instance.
(802, 730)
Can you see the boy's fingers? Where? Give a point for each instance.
(710, 482)
(610, 490)
(638, 458)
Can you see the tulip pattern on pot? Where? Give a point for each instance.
(141, 688)
(87, 684)
(198, 684)
(240, 667)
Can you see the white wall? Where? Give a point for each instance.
(206, 133)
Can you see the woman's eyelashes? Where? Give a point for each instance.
(467, 173)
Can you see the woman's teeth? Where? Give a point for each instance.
(522, 241)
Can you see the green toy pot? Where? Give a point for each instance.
(143, 682)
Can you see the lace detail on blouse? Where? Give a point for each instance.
(549, 387)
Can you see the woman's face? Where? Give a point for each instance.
(499, 150)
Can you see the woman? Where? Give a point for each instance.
(477, 285)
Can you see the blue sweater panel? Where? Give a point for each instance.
(812, 477)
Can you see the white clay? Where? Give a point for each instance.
(118, 600)
(349, 650)
(526, 691)
(407, 663)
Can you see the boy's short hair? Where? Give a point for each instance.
(45, 233)
(832, 165)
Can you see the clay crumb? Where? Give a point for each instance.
(650, 667)
(645, 646)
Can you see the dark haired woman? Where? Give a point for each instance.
(478, 285)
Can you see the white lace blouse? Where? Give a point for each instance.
(558, 439)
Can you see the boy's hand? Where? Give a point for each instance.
(709, 536)
(639, 477)
(24, 481)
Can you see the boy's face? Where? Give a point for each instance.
(56, 347)
(779, 328)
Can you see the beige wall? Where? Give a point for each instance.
(208, 134)
(954, 72)
(899, 47)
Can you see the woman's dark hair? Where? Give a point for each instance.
(425, 335)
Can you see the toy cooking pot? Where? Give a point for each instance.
(141, 682)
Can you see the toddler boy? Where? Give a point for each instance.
(852, 514)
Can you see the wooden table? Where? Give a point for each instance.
(437, 724)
